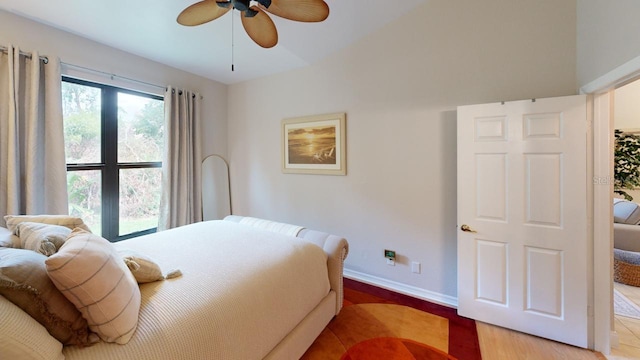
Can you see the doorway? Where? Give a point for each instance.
(626, 297)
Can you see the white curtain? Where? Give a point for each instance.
(181, 201)
(33, 178)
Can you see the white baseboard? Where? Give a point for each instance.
(409, 290)
(615, 340)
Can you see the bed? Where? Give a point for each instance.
(249, 289)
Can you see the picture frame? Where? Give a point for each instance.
(315, 144)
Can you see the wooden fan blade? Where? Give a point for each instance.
(201, 12)
(260, 28)
(300, 10)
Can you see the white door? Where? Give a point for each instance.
(522, 216)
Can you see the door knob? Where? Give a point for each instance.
(467, 228)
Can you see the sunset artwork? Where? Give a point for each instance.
(314, 145)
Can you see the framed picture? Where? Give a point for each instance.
(314, 145)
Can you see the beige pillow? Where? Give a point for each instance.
(24, 282)
(42, 238)
(22, 336)
(62, 220)
(143, 268)
(91, 274)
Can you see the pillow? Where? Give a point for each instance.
(63, 220)
(5, 237)
(42, 238)
(277, 227)
(89, 272)
(626, 212)
(629, 257)
(24, 282)
(22, 336)
(143, 268)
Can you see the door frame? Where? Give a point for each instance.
(601, 90)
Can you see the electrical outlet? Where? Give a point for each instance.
(415, 267)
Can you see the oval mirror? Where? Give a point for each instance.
(216, 194)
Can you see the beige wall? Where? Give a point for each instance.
(627, 106)
(399, 87)
(607, 36)
(72, 49)
(626, 115)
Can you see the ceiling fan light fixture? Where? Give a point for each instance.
(241, 5)
(250, 13)
(265, 3)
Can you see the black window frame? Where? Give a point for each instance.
(109, 166)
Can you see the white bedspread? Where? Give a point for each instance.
(242, 290)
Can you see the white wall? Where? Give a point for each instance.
(399, 87)
(627, 106)
(607, 36)
(72, 49)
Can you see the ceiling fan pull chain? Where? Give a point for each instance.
(232, 41)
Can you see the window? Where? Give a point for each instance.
(114, 144)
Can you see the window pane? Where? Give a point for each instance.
(139, 199)
(85, 197)
(81, 106)
(140, 128)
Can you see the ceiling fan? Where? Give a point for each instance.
(255, 20)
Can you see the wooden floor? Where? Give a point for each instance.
(628, 329)
(501, 343)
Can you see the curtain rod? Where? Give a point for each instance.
(27, 54)
(112, 76)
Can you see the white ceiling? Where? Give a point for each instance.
(148, 28)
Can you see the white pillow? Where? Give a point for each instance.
(626, 212)
(91, 274)
(6, 237)
(42, 238)
(277, 227)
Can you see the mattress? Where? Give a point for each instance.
(242, 291)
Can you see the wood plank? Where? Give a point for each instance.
(628, 329)
(501, 343)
